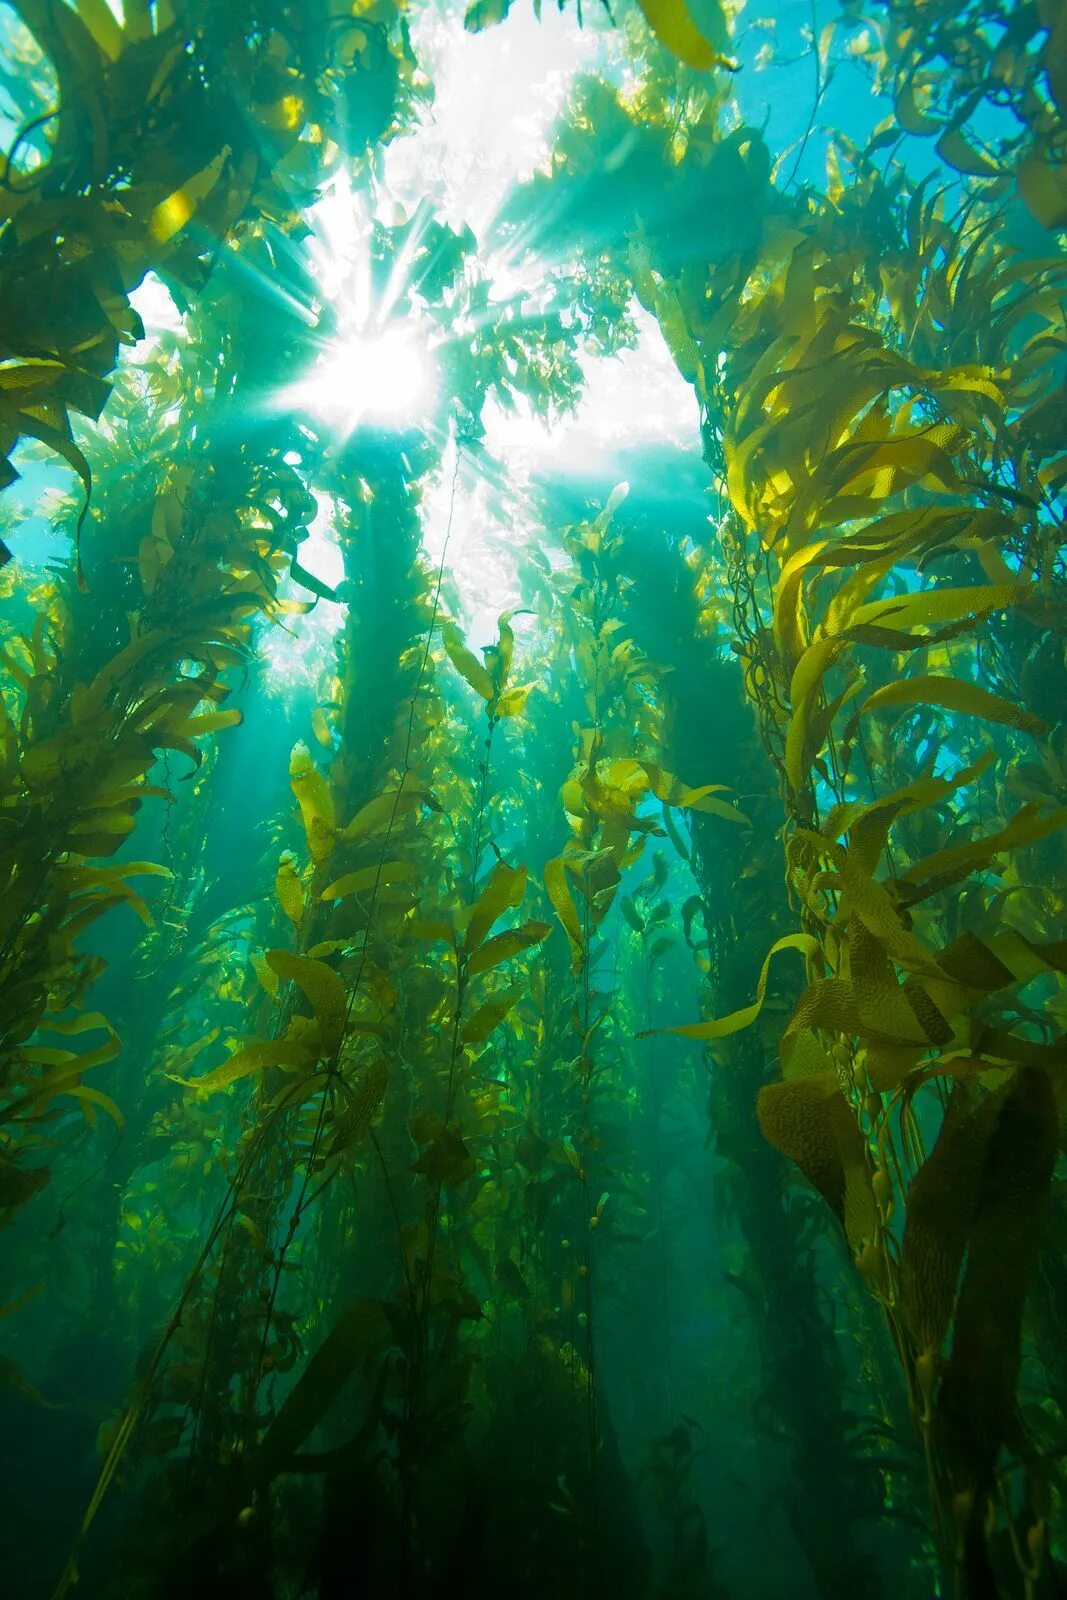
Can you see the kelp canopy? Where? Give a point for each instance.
(533, 773)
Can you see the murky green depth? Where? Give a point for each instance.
(533, 772)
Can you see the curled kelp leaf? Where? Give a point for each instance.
(503, 890)
(810, 1122)
(721, 1027)
(315, 801)
(323, 989)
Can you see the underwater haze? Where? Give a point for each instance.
(533, 799)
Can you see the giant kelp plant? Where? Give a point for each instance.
(533, 983)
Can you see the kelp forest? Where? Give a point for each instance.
(533, 799)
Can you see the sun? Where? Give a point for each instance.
(381, 377)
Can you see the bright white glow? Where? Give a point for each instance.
(513, 276)
(153, 304)
(322, 558)
(375, 370)
(320, 554)
(299, 651)
(484, 541)
(496, 97)
(365, 377)
(338, 248)
(630, 400)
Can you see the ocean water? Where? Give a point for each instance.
(532, 778)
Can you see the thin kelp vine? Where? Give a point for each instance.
(531, 958)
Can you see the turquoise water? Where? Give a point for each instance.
(532, 982)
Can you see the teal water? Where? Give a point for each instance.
(532, 772)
